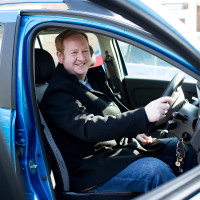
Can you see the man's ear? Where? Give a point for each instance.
(60, 57)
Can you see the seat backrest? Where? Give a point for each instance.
(44, 68)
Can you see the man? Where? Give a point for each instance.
(96, 133)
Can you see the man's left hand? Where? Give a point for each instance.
(144, 139)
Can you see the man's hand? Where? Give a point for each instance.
(157, 109)
(144, 139)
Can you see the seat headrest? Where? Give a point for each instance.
(93, 58)
(44, 66)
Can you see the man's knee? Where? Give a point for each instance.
(157, 171)
(160, 172)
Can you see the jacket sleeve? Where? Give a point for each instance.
(66, 112)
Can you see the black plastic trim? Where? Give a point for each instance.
(138, 16)
(13, 90)
(6, 66)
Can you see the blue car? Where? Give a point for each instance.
(144, 53)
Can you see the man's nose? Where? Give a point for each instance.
(81, 56)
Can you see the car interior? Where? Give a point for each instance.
(132, 88)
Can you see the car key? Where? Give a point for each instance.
(182, 149)
(180, 154)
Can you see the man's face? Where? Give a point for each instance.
(76, 56)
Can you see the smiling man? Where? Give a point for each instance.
(74, 54)
(101, 141)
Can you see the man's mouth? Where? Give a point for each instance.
(80, 65)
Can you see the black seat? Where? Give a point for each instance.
(44, 68)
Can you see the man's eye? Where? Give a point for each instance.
(74, 52)
(86, 51)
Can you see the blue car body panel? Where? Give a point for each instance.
(38, 189)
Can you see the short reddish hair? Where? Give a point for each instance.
(64, 35)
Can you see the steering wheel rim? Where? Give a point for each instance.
(175, 83)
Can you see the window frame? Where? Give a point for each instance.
(172, 67)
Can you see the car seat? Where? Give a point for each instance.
(44, 68)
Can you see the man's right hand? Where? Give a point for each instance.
(158, 108)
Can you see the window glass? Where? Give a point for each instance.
(1, 36)
(48, 43)
(94, 43)
(142, 64)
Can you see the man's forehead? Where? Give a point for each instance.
(76, 38)
(75, 41)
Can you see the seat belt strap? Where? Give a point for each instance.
(110, 66)
(57, 155)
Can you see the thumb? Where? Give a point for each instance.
(165, 99)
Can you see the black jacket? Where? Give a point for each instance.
(92, 129)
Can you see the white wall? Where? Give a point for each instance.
(189, 15)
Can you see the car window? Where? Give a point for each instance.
(47, 42)
(1, 36)
(94, 43)
(142, 64)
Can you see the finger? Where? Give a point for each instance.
(165, 99)
(162, 111)
(165, 106)
(140, 138)
(162, 116)
(150, 139)
(143, 140)
(145, 137)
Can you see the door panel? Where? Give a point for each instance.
(142, 91)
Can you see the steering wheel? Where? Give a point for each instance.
(175, 91)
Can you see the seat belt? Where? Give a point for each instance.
(61, 167)
(110, 67)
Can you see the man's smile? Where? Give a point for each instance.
(80, 65)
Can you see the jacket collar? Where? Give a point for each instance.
(63, 72)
